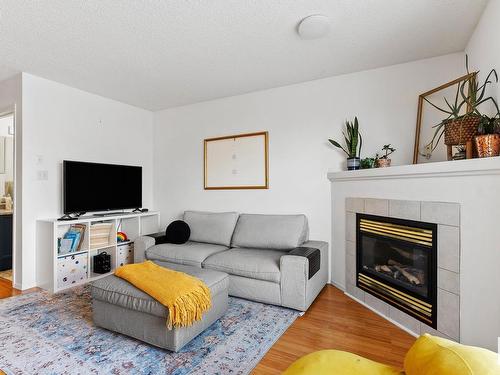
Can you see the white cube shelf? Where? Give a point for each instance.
(57, 272)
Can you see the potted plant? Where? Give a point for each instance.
(488, 140)
(368, 163)
(353, 139)
(459, 128)
(384, 161)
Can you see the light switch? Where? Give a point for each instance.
(42, 175)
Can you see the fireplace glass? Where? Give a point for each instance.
(396, 262)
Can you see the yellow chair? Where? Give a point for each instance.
(429, 355)
(336, 362)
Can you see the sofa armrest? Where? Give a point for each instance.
(297, 290)
(141, 244)
(312, 254)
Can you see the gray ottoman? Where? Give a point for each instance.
(120, 307)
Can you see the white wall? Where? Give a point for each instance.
(300, 119)
(483, 49)
(11, 100)
(60, 122)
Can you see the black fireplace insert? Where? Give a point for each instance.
(396, 261)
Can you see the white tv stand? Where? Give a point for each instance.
(77, 267)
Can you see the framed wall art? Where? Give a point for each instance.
(237, 162)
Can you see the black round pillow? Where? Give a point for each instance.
(177, 232)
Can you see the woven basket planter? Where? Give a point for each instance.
(460, 131)
(383, 163)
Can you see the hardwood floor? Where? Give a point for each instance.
(6, 289)
(335, 321)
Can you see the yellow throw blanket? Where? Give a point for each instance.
(185, 296)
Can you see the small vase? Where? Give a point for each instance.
(353, 164)
(383, 163)
(488, 145)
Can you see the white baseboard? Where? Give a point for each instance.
(337, 285)
(383, 315)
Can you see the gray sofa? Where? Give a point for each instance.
(253, 250)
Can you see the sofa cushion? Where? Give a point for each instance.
(434, 355)
(116, 291)
(211, 227)
(260, 264)
(190, 253)
(280, 232)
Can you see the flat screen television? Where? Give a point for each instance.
(95, 187)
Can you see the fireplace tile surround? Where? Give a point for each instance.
(447, 216)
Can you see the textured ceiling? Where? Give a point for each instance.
(160, 54)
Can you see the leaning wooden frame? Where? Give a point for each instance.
(422, 99)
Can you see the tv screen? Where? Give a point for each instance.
(100, 187)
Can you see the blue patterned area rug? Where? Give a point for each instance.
(54, 334)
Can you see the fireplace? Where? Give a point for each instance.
(396, 261)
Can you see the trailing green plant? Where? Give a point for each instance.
(470, 93)
(488, 125)
(388, 150)
(352, 139)
(367, 163)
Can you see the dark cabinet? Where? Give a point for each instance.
(5, 242)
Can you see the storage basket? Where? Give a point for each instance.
(100, 235)
(71, 269)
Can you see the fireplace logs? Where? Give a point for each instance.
(401, 272)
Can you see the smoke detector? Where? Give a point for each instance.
(314, 26)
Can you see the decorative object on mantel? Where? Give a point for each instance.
(384, 161)
(352, 138)
(460, 154)
(488, 140)
(237, 162)
(368, 163)
(463, 119)
(454, 109)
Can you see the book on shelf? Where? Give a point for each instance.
(72, 239)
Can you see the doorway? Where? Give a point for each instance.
(7, 199)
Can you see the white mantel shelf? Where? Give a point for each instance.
(486, 166)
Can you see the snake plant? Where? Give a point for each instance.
(352, 138)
